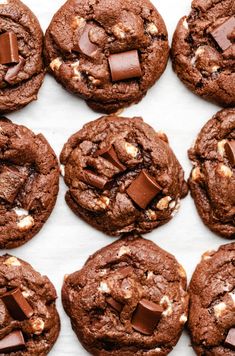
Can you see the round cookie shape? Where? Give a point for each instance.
(29, 322)
(122, 176)
(21, 65)
(126, 298)
(203, 50)
(108, 53)
(212, 180)
(29, 183)
(212, 299)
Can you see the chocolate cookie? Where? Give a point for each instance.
(122, 176)
(129, 299)
(212, 303)
(212, 180)
(203, 50)
(109, 52)
(29, 322)
(29, 179)
(21, 65)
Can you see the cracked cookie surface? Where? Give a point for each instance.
(40, 330)
(212, 302)
(20, 82)
(29, 181)
(198, 60)
(212, 180)
(111, 27)
(122, 176)
(121, 275)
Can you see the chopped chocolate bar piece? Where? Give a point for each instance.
(143, 189)
(10, 184)
(230, 151)
(84, 45)
(12, 342)
(230, 339)
(146, 317)
(93, 179)
(9, 52)
(13, 71)
(17, 305)
(222, 33)
(110, 155)
(114, 304)
(124, 65)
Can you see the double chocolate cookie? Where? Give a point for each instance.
(122, 176)
(203, 50)
(29, 179)
(21, 65)
(29, 322)
(212, 303)
(212, 180)
(108, 52)
(129, 299)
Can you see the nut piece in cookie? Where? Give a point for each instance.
(122, 301)
(122, 176)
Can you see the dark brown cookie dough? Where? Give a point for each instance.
(20, 80)
(122, 176)
(212, 180)
(212, 303)
(29, 180)
(27, 310)
(108, 300)
(203, 50)
(82, 36)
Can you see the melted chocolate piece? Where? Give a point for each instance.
(93, 179)
(146, 317)
(222, 33)
(114, 304)
(9, 52)
(84, 45)
(143, 189)
(17, 305)
(110, 155)
(125, 65)
(12, 342)
(13, 71)
(230, 151)
(230, 339)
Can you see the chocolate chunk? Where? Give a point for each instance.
(230, 151)
(17, 305)
(146, 317)
(12, 342)
(124, 65)
(84, 45)
(13, 71)
(93, 179)
(143, 189)
(230, 339)
(10, 184)
(222, 33)
(9, 52)
(114, 304)
(110, 155)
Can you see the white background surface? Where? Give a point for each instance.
(65, 242)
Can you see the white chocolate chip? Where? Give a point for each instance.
(220, 146)
(151, 215)
(102, 272)
(62, 170)
(163, 203)
(172, 204)
(119, 31)
(185, 24)
(76, 73)
(12, 261)
(131, 149)
(196, 174)
(93, 80)
(166, 303)
(181, 271)
(78, 21)
(215, 69)
(103, 202)
(183, 318)
(150, 275)
(21, 212)
(152, 29)
(157, 349)
(199, 51)
(27, 293)
(176, 208)
(219, 308)
(56, 63)
(104, 287)
(224, 171)
(37, 326)
(207, 255)
(26, 223)
(124, 250)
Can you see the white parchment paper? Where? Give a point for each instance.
(65, 242)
